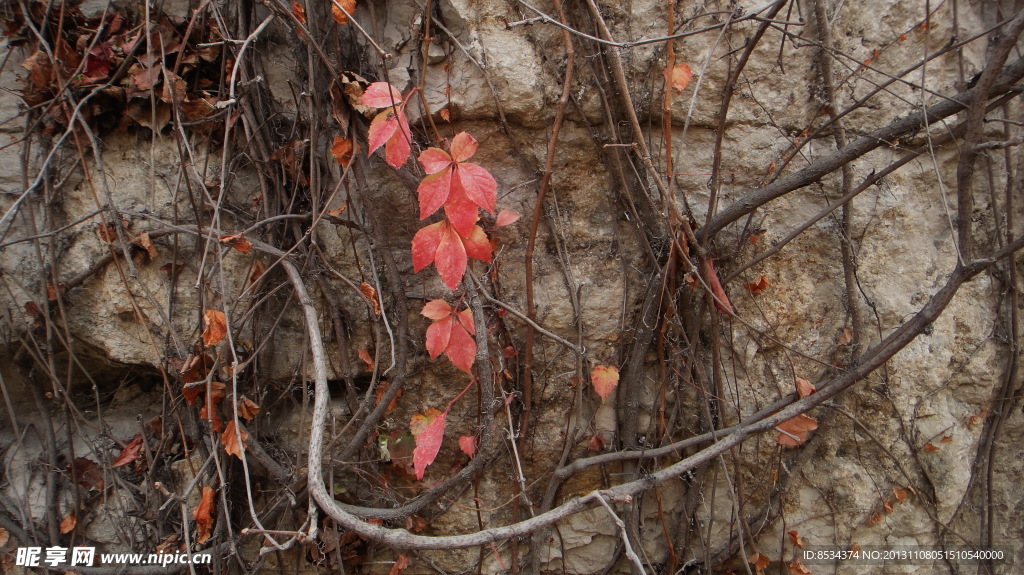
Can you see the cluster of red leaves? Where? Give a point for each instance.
(389, 127)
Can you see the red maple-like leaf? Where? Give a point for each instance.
(428, 443)
(389, 128)
(448, 250)
(459, 186)
(451, 334)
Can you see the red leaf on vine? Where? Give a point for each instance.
(681, 76)
(443, 246)
(130, 452)
(452, 182)
(721, 299)
(216, 327)
(389, 128)
(467, 443)
(605, 379)
(451, 334)
(428, 438)
(204, 516)
(506, 217)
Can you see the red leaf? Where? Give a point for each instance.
(203, 516)
(605, 379)
(467, 443)
(438, 336)
(758, 286)
(451, 334)
(721, 299)
(436, 309)
(428, 443)
(383, 126)
(434, 160)
(424, 245)
(381, 95)
(804, 387)
(479, 185)
(450, 258)
(596, 443)
(506, 217)
(398, 148)
(434, 190)
(463, 147)
(130, 452)
(237, 241)
(461, 349)
(248, 409)
(461, 212)
(477, 245)
(343, 150)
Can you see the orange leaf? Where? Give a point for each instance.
(130, 452)
(804, 387)
(758, 286)
(230, 439)
(605, 379)
(381, 390)
(796, 430)
(67, 525)
(343, 150)
(400, 565)
(371, 294)
(237, 241)
(203, 515)
(759, 561)
(899, 494)
(875, 519)
(446, 115)
(342, 16)
(796, 567)
(946, 439)
(144, 242)
(681, 76)
(367, 358)
(887, 506)
(794, 538)
(467, 443)
(929, 447)
(216, 327)
(257, 271)
(299, 12)
(248, 409)
(596, 443)
(338, 210)
(721, 299)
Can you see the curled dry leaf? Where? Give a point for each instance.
(796, 567)
(760, 561)
(299, 12)
(596, 444)
(230, 440)
(400, 565)
(367, 359)
(795, 430)
(342, 10)
(794, 538)
(604, 379)
(371, 294)
(216, 324)
(67, 525)
(130, 452)
(257, 271)
(203, 514)
(758, 286)
(248, 409)
(143, 241)
(899, 494)
(804, 387)
(87, 474)
(343, 150)
(237, 241)
(4, 536)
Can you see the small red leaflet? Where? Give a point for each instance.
(459, 186)
(448, 250)
(389, 128)
(451, 333)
